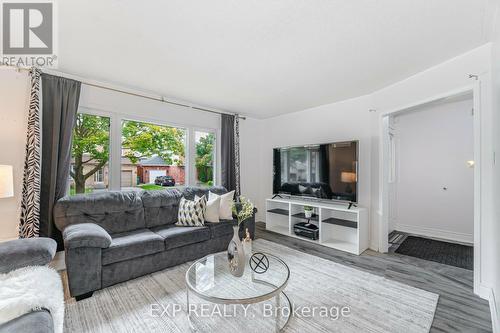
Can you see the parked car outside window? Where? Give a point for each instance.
(165, 181)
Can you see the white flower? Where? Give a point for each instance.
(245, 210)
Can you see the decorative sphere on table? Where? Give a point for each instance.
(259, 263)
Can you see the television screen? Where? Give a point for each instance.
(324, 171)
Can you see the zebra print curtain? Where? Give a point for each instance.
(237, 155)
(30, 202)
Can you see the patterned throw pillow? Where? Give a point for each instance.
(191, 212)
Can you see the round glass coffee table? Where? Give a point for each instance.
(209, 278)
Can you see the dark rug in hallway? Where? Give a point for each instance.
(443, 252)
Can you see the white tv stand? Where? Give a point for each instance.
(339, 227)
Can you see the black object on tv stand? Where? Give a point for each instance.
(352, 204)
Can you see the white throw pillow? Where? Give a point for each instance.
(212, 210)
(191, 213)
(226, 204)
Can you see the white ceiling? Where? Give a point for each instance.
(269, 57)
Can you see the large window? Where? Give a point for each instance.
(205, 158)
(153, 156)
(110, 152)
(90, 154)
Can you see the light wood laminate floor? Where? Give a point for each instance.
(458, 310)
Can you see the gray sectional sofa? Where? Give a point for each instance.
(112, 237)
(21, 253)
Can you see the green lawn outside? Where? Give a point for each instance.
(151, 187)
(72, 190)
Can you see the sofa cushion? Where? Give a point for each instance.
(114, 211)
(132, 244)
(190, 192)
(161, 207)
(222, 228)
(180, 236)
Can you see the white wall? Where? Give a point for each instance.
(433, 144)
(351, 119)
(440, 80)
(138, 107)
(251, 134)
(496, 171)
(348, 120)
(14, 89)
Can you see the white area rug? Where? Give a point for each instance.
(375, 303)
(32, 288)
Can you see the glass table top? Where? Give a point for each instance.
(210, 278)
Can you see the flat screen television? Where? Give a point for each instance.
(323, 171)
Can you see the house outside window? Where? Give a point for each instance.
(150, 151)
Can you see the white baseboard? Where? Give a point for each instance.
(488, 294)
(495, 319)
(482, 291)
(436, 233)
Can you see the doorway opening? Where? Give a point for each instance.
(430, 181)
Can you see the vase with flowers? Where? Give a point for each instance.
(242, 209)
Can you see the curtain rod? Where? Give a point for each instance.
(137, 94)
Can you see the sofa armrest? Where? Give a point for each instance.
(86, 235)
(24, 252)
